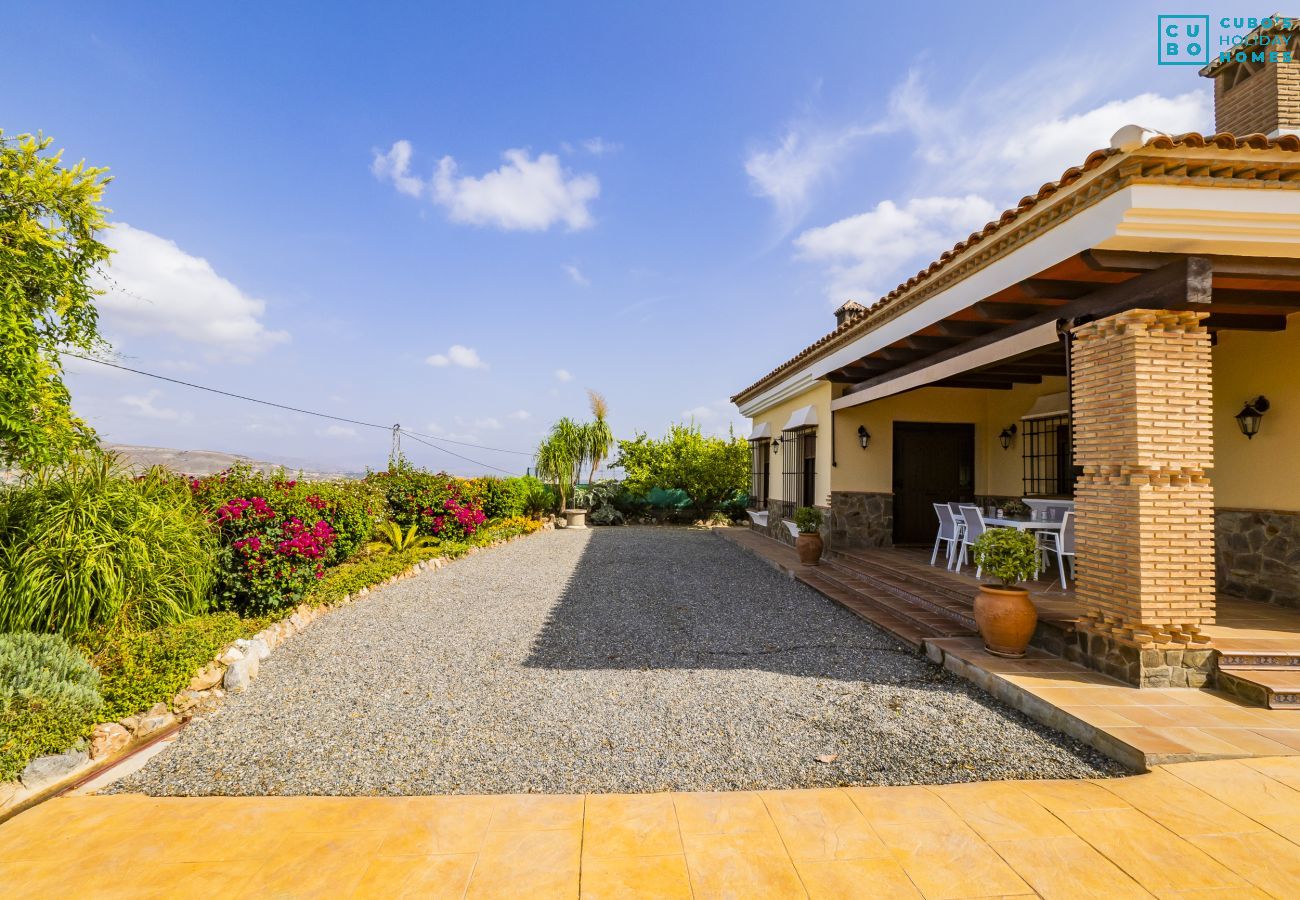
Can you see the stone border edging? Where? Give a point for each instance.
(231, 671)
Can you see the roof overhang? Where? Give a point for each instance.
(1157, 219)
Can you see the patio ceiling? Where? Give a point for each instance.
(1240, 293)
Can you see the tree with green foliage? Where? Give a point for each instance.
(600, 438)
(50, 219)
(560, 456)
(710, 470)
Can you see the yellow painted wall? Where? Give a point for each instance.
(1262, 473)
(997, 471)
(818, 397)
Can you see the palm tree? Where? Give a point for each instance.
(560, 456)
(599, 436)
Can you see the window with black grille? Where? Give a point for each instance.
(798, 469)
(1048, 454)
(760, 472)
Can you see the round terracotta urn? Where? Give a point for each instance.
(1006, 618)
(809, 548)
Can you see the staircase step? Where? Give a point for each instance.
(1282, 660)
(934, 577)
(1274, 688)
(912, 591)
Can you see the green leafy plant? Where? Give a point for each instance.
(560, 456)
(808, 519)
(139, 668)
(50, 221)
(398, 541)
(1007, 554)
(711, 471)
(538, 499)
(599, 436)
(49, 698)
(86, 545)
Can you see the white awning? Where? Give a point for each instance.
(803, 417)
(1049, 405)
(761, 432)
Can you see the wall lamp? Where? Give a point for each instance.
(864, 436)
(776, 447)
(1005, 437)
(1251, 415)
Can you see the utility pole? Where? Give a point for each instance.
(395, 452)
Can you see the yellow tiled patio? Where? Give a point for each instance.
(1226, 827)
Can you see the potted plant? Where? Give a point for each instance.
(1005, 615)
(808, 519)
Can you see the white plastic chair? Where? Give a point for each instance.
(949, 530)
(1062, 544)
(973, 519)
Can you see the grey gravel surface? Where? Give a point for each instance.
(615, 659)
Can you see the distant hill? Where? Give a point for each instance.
(200, 462)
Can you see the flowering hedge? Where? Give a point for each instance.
(278, 535)
(441, 505)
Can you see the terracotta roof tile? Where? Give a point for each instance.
(863, 321)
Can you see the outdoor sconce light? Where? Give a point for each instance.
(1005, 437)
(864, 436)
(1249, 418)
(776, 447)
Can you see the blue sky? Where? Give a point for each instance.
(461, 217)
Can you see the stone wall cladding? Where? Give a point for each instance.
(1143, 437)
(860, 519)
(1257, 554)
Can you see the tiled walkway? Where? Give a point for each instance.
(1225, 828)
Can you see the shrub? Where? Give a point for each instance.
(279, 534)
(442, 506)
(808, 519)
(709, 470)
(140, 668)
(84, 545)
(49, 698)
(1008, 554)
(503, 498)
(538, 498)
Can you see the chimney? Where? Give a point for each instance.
(848, 311)
(1257, 82)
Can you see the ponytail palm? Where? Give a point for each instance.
(560, 455)
(599, 435)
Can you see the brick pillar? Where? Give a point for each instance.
(1145, 526)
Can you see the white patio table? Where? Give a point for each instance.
(1023, 524)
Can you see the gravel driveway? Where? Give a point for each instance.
(614, 659)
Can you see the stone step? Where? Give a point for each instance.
(1274, 688)
(1244, 658)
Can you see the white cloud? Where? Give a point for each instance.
(576, 274)
(700, 414)
(520, 415)
(154, 287)
(144, 406)
(866, 252)
(563, 375)
(525, 194)
(805, 157)
(395, 166)
(487, 422)
(599, 146)
(458, 355)
(438, 431)
(337, 431)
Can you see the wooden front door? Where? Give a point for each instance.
(934, 462)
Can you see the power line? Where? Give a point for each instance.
(307, 412)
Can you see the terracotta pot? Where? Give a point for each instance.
(809, 548)
(1006, 618)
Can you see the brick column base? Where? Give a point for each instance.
(1145, 508)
